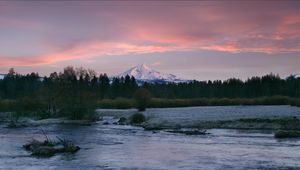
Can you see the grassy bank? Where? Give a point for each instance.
(287, 134)
(123, 103)
(29, 105)
(288, 123)
(41, 109)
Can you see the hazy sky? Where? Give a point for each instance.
(194, 39)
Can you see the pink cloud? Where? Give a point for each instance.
(84, 52)
(155, 27)
(156, 63)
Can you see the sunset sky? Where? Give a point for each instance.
(194, 39)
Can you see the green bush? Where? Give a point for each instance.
(286, 134)
(137, 118)
(7, 105)
(142, 97)
(123, 103)
(122, 120)
(118, 103)
(295, 102)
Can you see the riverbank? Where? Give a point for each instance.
(23, 122)
(207, 117)
(286, 123)
(125, 103)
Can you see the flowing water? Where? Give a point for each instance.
(127, 147)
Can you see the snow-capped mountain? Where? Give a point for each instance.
(2, 76)
(297, 76)
(144, 73)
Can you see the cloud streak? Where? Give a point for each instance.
(84, 52)
(121, 28)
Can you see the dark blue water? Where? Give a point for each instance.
(126, 147)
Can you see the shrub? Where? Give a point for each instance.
(124, 103)
(286, 134)
(142, 97)
(118, 103)
(7, 105)
(295, 102)
(137, 118)
(122, 120)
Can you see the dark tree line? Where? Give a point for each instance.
(268, 85)
(78, 84)
(72, 92)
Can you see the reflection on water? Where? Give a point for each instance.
(117, 147)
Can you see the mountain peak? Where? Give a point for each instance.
(144, 66)
(145, 73)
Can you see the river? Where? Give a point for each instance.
(128, 147)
